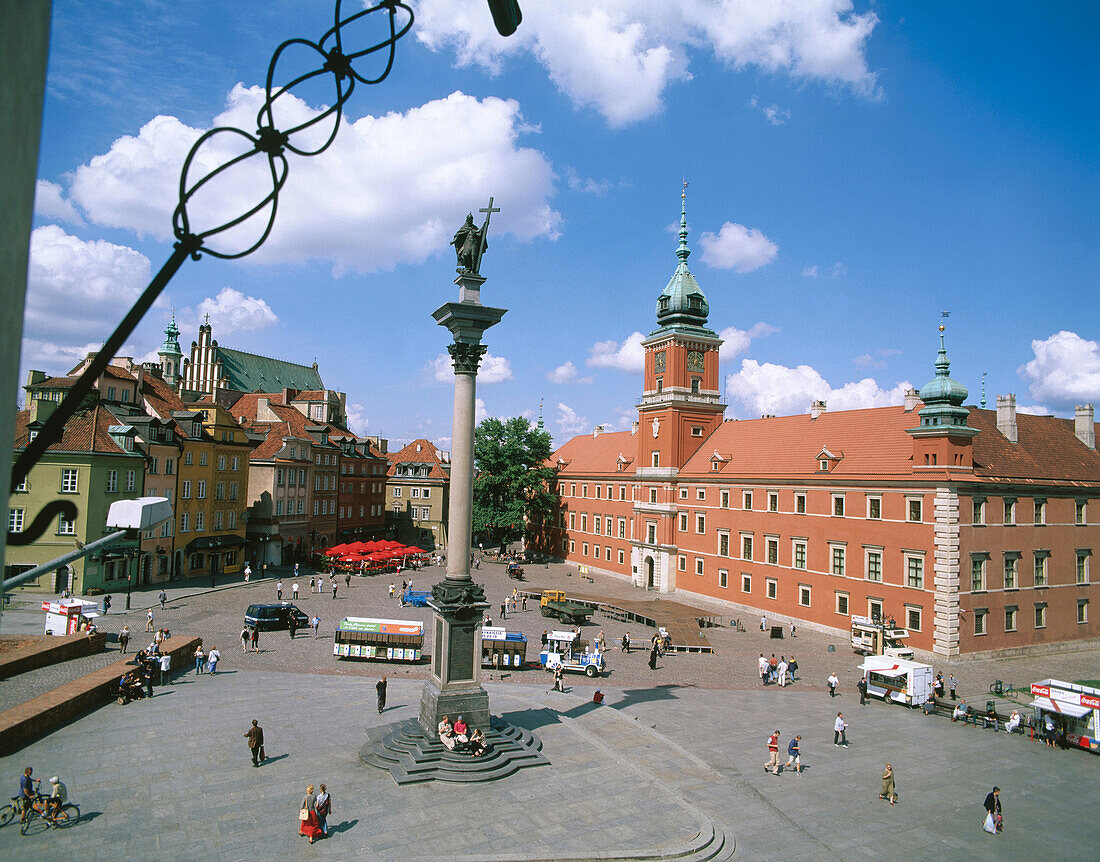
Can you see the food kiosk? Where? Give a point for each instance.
(381, 640)
(896, 679)
(68, 616)
(1075, 709)
(500, 648)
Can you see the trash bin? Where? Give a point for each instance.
(777, 632)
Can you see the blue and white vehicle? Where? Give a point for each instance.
(564, 649)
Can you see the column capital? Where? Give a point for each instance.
(466, 357)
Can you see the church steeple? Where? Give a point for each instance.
(942, 396)
(170, 354)
(943, 439)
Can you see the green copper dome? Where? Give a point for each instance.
(682, 301)
(942, 396)
(171, 346)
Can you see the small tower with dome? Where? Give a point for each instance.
(171, 357)
(943, 439)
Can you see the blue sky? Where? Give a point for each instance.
(854, 169)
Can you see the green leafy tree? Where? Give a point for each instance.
(510, 478)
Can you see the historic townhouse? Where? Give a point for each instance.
(417, 486)
(361, 505)
(973, 528)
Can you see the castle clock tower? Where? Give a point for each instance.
(681, 405)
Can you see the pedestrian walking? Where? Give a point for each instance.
(393, 590)
(200, 659)
(888, 785)
(292, 626)
(279, 591)
(309, 824)
(773, 754)
(323, 807)
(294, 590)
(937, 686)
(653, 656)
(840, 727)
(255, 638)
(783, 671)
(994, 823)
(763, 623)
(212, 660)
(149, 621)
(558, 684)
(163, 599)
(794, 754)
(347, 584)
(124, 638)
(380, 687)
(247, 572)
(255, 737)
(792, 630)
(147, 679)
(792, 668)
(245, 638)
(773, 668)
(315, 623)
(524, 601)
(295, 571)
(626, 643)
(334, 585)
(313, 583)
(166, 668)
(762, 669)
(106, 604)
(833, 682)
(504, 610)
(952, 684)
(862, 686)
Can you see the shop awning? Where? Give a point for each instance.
(207, 543)
(1060, 706)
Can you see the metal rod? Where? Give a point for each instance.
(63, 560)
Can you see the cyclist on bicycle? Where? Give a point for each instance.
(59, 795)
(27, 792)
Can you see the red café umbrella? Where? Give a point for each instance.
(372, 545)
(336, 550)
(358, 547)
(412, 549)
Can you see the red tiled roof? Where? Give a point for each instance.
(118, 373)
(1046, 448)
(309, 395)
(54, 383)
(600, 454)
(84, 432)
(410, 454)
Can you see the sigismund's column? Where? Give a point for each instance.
(454, 687)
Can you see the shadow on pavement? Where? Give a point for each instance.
(346, 826)
(531, 719)
(633, 696)
(276, 757)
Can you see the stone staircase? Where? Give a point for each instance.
(410, 756)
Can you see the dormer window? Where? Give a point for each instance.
(824, 466)
(662, 303)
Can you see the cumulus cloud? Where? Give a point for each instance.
(480, 413)
(809, 271)
(1034, 409)
(50, 203)
(737, 247)
(81, 287)
(569, 421)
(769, 388)
(620, 56)
(1065, 370)
(390, 190)
(493, 369)
(737, 341)
(628, 356)
(357, 419)
(567, 373)
(232, 311)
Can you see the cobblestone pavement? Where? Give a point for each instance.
(19, 689)
(170, 778)
(217, 617)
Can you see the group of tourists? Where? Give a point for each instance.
(459, 737)
(773, 670)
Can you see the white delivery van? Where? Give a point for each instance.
(907, 682)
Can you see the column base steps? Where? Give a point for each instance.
(410, 756)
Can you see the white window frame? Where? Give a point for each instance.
(841, 549)
(837, 503)
(909, 503)
(838, 597)
(803, 545)
(746, 582)
(771, 589)
(874, 498)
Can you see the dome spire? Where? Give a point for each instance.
(943, 397)
(683, 252)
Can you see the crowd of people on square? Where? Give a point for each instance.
(775, 671)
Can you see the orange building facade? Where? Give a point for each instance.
(974, 529)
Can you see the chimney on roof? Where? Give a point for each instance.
(598, 430)
(1083, 425)
(816, 409)
(912, 399)
(634, 428)
(1006, 416)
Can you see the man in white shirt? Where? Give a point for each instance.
(1013, 722)
(165, 668)
(763, 668)
(833, 682)
(839, 726)
(782, 673)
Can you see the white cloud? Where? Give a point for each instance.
(737, 247)
(783, 391)
(620, 56)
(628, 356)
(810, 271)
(838, 270)
(586, 185)
(866, 360)
(493, 369)
(737, 341)
(1034, 409)
(1065, 370)
(390, 190)
(480, 413)
(79, 287)
(357, 419)
(232, 311)
(569, 421)
(567, 373)
(774, 114)
(50, 203)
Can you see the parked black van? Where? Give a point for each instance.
(274, 616)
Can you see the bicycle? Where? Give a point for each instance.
(40, 809)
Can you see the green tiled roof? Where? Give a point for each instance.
(248, 372)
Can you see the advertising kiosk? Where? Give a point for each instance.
(1074, 708)
(500, 648)
(68, 616)
(907, 682)
(381, 640)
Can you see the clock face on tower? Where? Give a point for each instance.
(659, 362)
(695, 360)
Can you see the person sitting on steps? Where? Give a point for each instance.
(447, 733)
(477, 743)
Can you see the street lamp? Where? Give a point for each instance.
(215, 545)
(132, 554)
